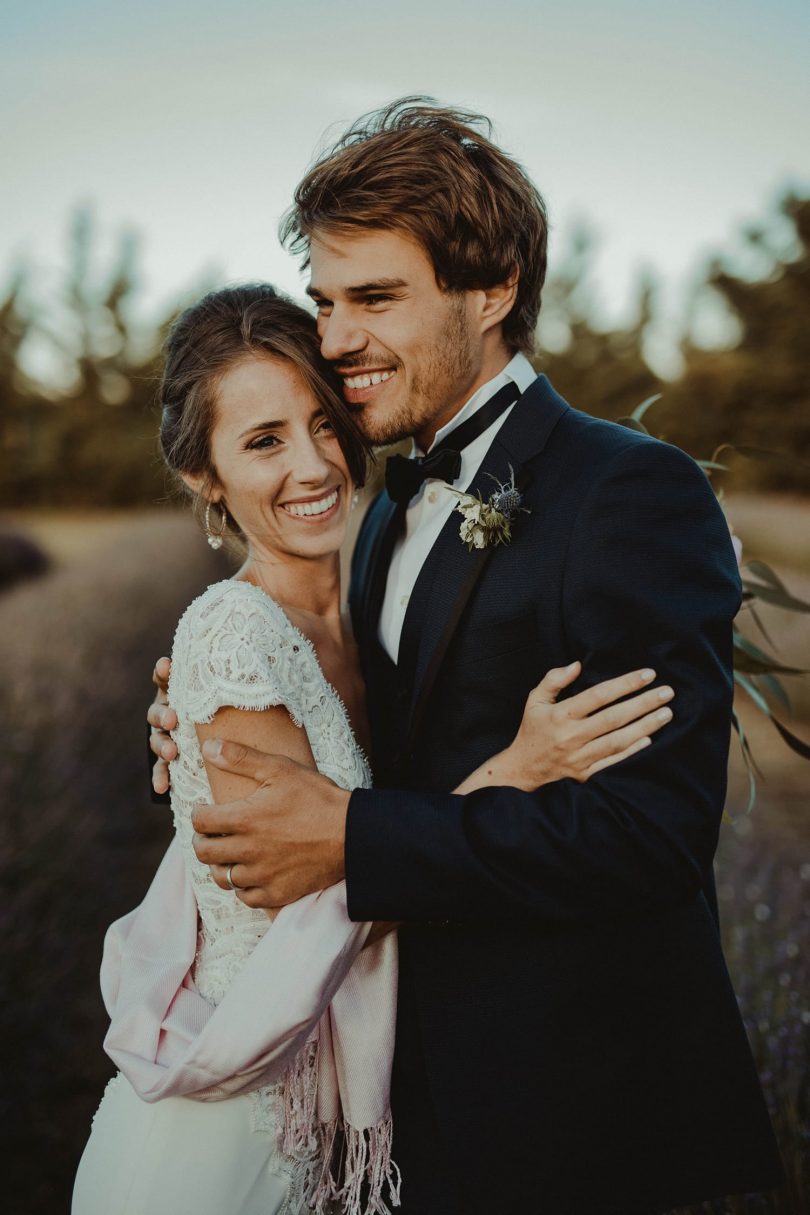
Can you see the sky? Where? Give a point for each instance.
(664, 127)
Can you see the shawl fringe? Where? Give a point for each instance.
(332, 1160)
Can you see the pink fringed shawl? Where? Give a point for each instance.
(310, 1007)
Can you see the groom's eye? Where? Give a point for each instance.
(377, 299)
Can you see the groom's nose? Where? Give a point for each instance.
(341, 333)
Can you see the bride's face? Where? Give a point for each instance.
(280, 467)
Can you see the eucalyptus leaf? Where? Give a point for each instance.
(772, 594)
(772, 684)
(640, 410)
(748, 754)
(751, 659)
(765, 574)
(742, 642)
(754, 614)
(795, 744)
(633, 424)
(748, 760)
(753, 691)
(754, 666)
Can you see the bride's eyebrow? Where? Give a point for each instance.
(262, 426)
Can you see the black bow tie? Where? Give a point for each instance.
(404, 477)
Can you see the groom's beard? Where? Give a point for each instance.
(445, 370)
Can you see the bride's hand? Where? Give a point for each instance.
(579, 736)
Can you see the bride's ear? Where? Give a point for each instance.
(202, 486)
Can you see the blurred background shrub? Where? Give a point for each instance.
(87, 437)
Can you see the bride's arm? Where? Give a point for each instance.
(271, 730)
(579, 736)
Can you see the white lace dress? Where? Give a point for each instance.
(234, 646)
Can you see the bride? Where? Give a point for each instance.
(255, 1051)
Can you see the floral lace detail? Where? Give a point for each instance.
(235, 646)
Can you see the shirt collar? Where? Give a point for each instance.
(521, 373)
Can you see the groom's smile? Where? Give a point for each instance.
(361, 386)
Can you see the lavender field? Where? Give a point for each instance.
(79, 840)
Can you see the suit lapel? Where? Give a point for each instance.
(370, 568)
(451, 573)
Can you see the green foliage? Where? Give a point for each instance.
(598, 370)
(758, 389)
(89, 440)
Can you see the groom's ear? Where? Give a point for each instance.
(495, 303)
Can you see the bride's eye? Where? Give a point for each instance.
(325, 425)
(263, 442)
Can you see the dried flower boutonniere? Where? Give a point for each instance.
(490, 522)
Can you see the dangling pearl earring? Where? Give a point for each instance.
(215, 538)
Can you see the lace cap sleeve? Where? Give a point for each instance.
(233, 646)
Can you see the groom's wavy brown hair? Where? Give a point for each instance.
(434, 174)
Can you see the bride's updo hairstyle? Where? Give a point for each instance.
(215, 334)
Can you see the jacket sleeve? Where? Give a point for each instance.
(650, 579)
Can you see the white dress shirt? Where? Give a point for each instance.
(430, 509)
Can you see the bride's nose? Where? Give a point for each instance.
(310, 467)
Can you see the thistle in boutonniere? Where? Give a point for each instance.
(489, 522)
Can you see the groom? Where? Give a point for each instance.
(568, 1040)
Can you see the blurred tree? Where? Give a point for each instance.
(16, 393)
(90, 439)
(758, 392)
(603, 371)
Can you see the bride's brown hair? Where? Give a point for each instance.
(209, 338)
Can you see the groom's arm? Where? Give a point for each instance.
(650, 579)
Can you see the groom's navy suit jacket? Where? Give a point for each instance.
(568, 1040)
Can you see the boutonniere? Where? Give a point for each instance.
(489, 522)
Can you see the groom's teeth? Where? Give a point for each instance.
(312, 508)
(366, 381)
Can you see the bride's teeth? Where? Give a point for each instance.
(312, 508)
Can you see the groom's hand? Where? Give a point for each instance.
(281, 842)
(161, 718)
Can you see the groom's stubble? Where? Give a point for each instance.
(439, 385)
